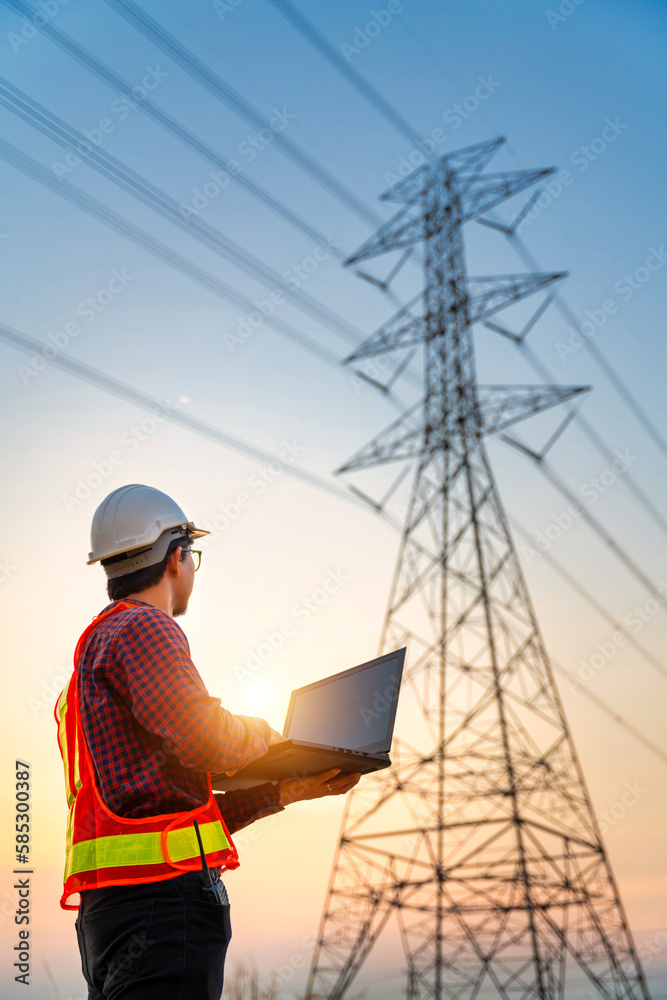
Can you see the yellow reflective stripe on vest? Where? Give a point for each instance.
(124, 850)
(68, 838)
(62, 734)
(77, 773)
(62, 728)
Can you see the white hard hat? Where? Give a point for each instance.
(140, 521)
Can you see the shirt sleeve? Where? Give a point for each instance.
(245, 805)
(168, 698)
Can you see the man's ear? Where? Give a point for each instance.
(173, 562)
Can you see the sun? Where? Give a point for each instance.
(258, 698)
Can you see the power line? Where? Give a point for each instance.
(99, 379)
(637, 733)
(519, 341)
(588, 597)
(359, 82)
(602, 363)
(557, 481)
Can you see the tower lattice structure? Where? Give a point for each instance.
(480, 839)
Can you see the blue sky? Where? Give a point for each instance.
(557, 81)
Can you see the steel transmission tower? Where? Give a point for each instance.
(480, 839)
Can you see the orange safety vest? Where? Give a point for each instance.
(105, 849)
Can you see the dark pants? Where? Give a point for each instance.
(163, 940)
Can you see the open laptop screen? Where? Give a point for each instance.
(353, 710)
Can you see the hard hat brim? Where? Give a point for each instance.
(188, 528)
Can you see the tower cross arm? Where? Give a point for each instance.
(489, 190)
(469, 161)
(404, 329)
(401, 440)
(490, 294)
(402, 230)
(500, 406)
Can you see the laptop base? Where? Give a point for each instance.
(297, 759)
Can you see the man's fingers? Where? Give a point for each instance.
(344, 783)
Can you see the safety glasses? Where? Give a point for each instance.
(196, 556)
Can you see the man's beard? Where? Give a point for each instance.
(178, 612)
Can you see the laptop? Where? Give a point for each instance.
(344, 721)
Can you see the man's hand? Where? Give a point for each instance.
(273, 739)
(316, 786)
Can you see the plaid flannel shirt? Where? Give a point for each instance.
(151, 727)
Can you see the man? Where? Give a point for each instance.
(140, 736)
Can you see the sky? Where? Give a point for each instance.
(227, 356)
